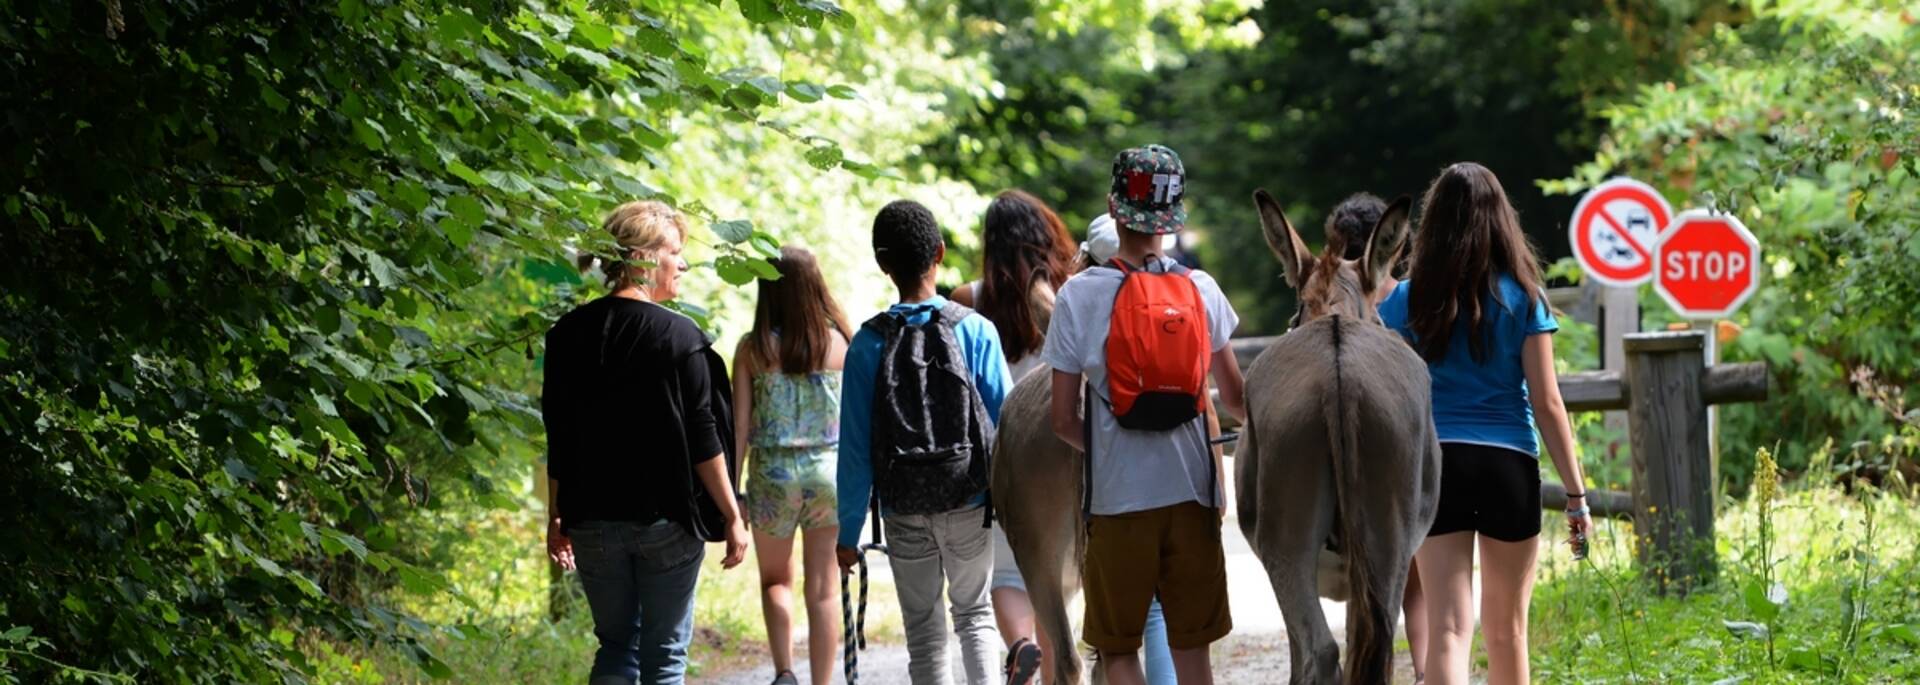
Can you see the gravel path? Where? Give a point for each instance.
(1256, 652)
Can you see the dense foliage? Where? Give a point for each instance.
(1315, 101)
(257, 295)
(1803, 124)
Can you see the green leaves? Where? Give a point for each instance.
(805, 92)
(738, 269)
(467, 210)
(600, 36)
(1901, 632)
(457, 25)
(509, 181)
(465, 173)
(1764, 603)
(344, 229)
(733, 231)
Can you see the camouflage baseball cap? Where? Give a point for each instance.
(1148, 185)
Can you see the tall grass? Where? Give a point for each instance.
(1816, 584)
(504, 633)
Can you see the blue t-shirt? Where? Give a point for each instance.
(1483, 404)
(854, 481)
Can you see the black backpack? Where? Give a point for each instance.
(931, 433)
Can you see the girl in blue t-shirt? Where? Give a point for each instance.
(1473, 307)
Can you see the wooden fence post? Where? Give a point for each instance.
(1673, 478)
(1619, 316)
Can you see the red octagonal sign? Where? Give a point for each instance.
(1707, 264)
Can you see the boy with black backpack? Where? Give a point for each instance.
(922, 392)
(1145, 332)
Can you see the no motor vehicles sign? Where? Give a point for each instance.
(1614, 229)
(1707, 264)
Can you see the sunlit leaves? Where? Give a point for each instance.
(1792, 129)
(733, 231)
(275, 296)
(805, 92)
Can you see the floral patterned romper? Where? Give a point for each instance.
(795, 436)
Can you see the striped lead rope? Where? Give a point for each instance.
(854, 619)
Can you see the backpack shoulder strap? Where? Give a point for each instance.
(886, 323)
(954, 313)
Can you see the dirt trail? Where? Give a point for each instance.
(1256, 652)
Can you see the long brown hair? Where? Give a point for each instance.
(1026, 245)
(1469, 236)
(795, 315)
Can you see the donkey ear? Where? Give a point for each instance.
(1281, 237)
(1383, 248)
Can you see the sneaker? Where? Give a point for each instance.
(1023, 662)
(786, 678)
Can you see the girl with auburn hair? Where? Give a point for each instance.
(786, 379)
(1474, 309)
(1027, 255)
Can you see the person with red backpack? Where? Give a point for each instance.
(1141, 335)
(921, 396)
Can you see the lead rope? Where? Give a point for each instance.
(855, 620)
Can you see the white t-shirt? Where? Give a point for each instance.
(1133, 470)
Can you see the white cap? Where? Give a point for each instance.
(1102, 240)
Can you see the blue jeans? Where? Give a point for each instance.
(1158, 658)
(639, 581)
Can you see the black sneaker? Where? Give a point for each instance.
(1023, 662)
(786, 678)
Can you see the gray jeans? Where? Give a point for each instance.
(955, 550)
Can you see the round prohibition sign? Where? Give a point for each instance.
(1614, 229)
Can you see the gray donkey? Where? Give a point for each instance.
(1037, 489)
(1339, 451)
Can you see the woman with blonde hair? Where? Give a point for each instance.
(639, 431)
(786, 394)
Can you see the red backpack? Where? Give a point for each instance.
(1158, 348)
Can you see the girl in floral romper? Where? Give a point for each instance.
(786, 381)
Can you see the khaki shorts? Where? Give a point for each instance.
(1172, 551)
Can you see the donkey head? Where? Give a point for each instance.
(1329, 284)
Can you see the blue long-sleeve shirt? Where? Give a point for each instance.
(980, 342)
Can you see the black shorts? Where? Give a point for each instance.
(1493, 491)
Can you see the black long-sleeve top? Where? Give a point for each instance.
(628, 402)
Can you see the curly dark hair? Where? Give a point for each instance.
(1351, 223)
(906, 240)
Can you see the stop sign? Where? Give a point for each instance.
(1706, 264)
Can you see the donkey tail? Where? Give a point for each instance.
(1370, 637)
